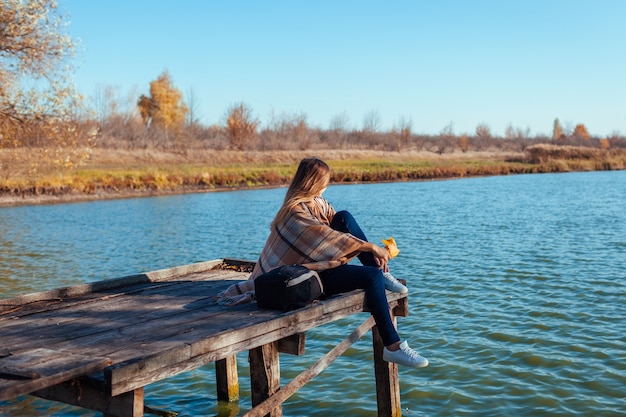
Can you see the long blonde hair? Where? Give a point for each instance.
(312, 176)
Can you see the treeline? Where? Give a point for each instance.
(166, 120)
(295, 134)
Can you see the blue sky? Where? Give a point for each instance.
(501, 63)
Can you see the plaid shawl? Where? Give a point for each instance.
(306, 238)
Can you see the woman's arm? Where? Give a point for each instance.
(381, 256)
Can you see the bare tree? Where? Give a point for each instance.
(483, 131)
(446, 138)
(402, 131)
(340, 122)
(372, 121)
(193, 106)
(512, 133)
(287, 131)
(105, 103)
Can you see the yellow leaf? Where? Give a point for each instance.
(390, 245)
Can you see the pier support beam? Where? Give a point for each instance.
(265, 375)
(387, 381)
(129, 404)
(89, 393)
(227, 379)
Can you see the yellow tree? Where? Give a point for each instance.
(38, 105)
(165, 107)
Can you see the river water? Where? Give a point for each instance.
(517, 289)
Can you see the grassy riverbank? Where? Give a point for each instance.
(124, 174)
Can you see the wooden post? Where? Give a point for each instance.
(387, 381)
(227, 379)
(265, 375)
(129, 404)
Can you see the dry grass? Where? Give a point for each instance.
(142, 158)
(112, 173)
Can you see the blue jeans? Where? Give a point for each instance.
(347, 278)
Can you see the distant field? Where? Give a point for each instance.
(121, 173)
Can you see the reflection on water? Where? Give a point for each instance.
(516, 288)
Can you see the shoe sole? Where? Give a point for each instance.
(421, 365)
(404, 291)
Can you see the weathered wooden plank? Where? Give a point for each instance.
(296, 321)
(123, 315)
(74, 310)
(262, 322)
(123, 377)
(277, 398)
(110, 316)
(128, 333)
(24, 372)
(109, 284)
(153, 336)
(153, 366)
(116, 283)
(49, 307)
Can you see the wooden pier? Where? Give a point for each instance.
(98, 345)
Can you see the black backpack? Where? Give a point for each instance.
(288, 287)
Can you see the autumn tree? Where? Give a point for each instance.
(580, 131)
(39, 107)
(164, 108)
(241, 126)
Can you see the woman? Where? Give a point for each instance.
(308, 231)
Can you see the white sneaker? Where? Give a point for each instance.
(405, 356)
(393, 284)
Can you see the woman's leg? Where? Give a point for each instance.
(351, 277)
(343, 221)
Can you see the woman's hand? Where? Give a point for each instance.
(381, 256)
